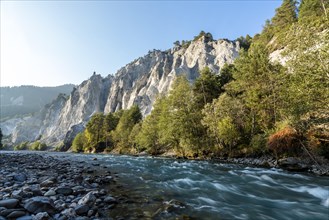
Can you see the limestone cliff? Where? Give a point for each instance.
(139, 82)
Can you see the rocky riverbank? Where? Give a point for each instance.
(292, 164)
(41, 186)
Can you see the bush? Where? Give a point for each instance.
(258, 145)
(22, 146)
(38, 146)
(318, 140)
(79, 143)
(285, 142)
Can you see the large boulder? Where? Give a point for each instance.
(9, 203)
(40, 204)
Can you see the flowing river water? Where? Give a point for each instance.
(169, 189)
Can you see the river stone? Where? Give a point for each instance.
(16, 214)
(46, 183)
(40, 204)
(41, 216)
(110, 200)
(70, 213)
(26, 217)
(64, 190)
(50, 193)
(81, 209)
(9, 203)
(88, 199)
(21, 177)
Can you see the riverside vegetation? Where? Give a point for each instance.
(257, 106)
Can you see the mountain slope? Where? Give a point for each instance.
(139, 82)
(18, 101)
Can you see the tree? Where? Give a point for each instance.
(306, 92)
(285, 15)
(94, 132)
(245, 42)
(206, 88)
(149, 135)
(79, 143)
(227, 115)
(310, 9)
(180, 126)
(257, 83)
(126, 123)
(111, 121)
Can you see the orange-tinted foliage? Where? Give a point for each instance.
(285, 142)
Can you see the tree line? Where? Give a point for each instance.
(252, 107)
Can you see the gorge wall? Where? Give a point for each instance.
(139, 82)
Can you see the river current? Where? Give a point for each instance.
(170, 189)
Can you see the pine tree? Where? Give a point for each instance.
(285, 15)
(126, 123)
(206, 88)
(94, 132)
(309, 9)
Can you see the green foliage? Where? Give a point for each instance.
(285, 15)
(125, 125)
(149, 135)
(313, 9)
(79, 143)
(133, 138)
(207, 87)
(94, 133)
(245, 42)
(251, 108)
(207, 36)
(22, 146)
(186, 43)
(37, 145)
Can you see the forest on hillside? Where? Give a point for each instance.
(256, 106)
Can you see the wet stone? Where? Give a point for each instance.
(40, 204)
(9, 203)
(81, 209)
(64, 191)
(16, 214)
(20, 177)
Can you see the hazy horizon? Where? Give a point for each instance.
(51, 43)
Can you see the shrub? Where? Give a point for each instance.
(318, 140)
(38, 146)
(258, 145)
(285, 142)
(22, 146)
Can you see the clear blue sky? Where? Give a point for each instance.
(48, 43)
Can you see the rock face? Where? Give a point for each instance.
(139, 82)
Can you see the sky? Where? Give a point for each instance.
(50, 43)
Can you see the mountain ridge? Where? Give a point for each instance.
(139, 82)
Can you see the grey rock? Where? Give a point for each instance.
(81, 209)
(89, 199)
(41, 216)
(50, 193)
(40, 204)
(21, 177)
(110, 200)
(70, 213)
(9, 203)
(26, 217)
(47, 183)
(139, 82)
(16, 214)
(64, 190)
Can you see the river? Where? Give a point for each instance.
(168, 189)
